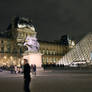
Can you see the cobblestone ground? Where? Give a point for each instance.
(48, 81)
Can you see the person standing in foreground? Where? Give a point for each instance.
(27, 77)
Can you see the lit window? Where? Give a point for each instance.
(47, 59)
(43, 52)
(54, 59)
(51, 52)
(54, 52)
(47, 52)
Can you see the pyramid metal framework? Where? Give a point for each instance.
(82, 51)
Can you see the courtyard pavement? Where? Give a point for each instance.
(48, 81)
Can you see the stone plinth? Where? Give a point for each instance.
(34, 58)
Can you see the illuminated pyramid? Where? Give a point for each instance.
(82, 51)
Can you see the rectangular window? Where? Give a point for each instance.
(47, 52)
(2, 41)
(2, 49)
(8, 47)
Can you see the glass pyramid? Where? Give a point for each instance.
(81, 51)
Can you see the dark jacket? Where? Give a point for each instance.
(26, 71)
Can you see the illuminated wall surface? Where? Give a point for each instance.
(34, 58)
(82, 51)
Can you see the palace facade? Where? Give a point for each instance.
(10, 53)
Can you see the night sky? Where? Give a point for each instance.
(52, 18)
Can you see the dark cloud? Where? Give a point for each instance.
(52, 18)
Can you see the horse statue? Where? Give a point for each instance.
(32, 44)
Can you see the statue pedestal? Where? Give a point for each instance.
(34, 58)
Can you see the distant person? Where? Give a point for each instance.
(12, 69)
(16, 69)
(44, 67)
(27, 77)
(34, 68)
